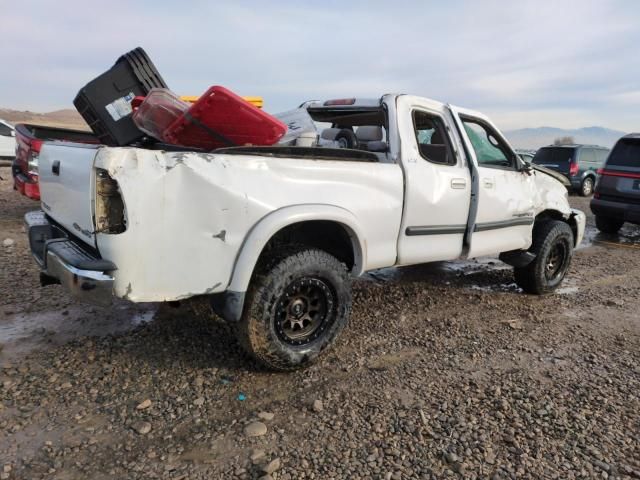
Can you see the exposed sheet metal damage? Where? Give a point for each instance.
(165, 229)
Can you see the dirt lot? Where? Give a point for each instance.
(446, 370)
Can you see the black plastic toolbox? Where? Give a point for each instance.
(105, 102)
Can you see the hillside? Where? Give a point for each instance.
(58, 118)
(533, 138)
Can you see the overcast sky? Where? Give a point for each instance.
(525, 63)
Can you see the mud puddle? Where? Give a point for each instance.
(627, 237)
(23, 332)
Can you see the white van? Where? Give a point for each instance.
(7, 140)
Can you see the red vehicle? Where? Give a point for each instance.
(29, 140)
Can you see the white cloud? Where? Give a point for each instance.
(530, 62)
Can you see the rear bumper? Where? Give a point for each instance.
(62, 260)
(628, 212)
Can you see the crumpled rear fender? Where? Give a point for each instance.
(272, 223)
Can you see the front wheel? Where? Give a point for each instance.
(586, 188)
(553, 247)
(297, 304)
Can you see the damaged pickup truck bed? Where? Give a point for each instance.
(272, 235)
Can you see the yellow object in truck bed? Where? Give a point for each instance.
(255, 101)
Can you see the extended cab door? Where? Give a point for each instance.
(437, 183)
(504, 213)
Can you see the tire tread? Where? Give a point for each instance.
(253, 335)
(529, 278)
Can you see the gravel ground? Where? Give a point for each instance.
(446, 371)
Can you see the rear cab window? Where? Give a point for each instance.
(626, 154)
(352, 127)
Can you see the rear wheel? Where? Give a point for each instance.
(297, 304)
(553, 247)
(586, 188)
(608, 224)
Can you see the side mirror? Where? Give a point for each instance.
(525, 167)
(13, 133)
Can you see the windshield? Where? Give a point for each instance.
(626, 153)
(554, 156)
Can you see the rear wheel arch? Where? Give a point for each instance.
(301, 225)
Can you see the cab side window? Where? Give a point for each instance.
(601, 157)
(490, 150)
(433, 140)
(588, 155)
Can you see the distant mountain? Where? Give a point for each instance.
(533, 138)
(59, 118)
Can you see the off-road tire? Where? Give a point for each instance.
(546, 235)
(608, 224)
(258, 330)
(586, 187)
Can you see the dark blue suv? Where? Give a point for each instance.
(579, 163)
(617, 196)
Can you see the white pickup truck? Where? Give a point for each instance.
(273, 235)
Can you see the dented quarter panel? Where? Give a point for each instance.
(189, 214)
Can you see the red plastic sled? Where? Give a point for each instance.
(220, 118)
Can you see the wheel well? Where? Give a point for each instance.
(556, 215)
(332, 237)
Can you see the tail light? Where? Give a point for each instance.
(611, 173)
(32, 157)
(109, 214)
(573, 169)
(32, 163)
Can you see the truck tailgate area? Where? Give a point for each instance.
(67, 187)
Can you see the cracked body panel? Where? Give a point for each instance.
(189, 214)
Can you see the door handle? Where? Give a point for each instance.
(487, 183)
(55, 167)
(458, 183)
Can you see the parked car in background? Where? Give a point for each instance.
(7, 140)
(27, 145)
(579, 163)
(617, 193)
(526, 155)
